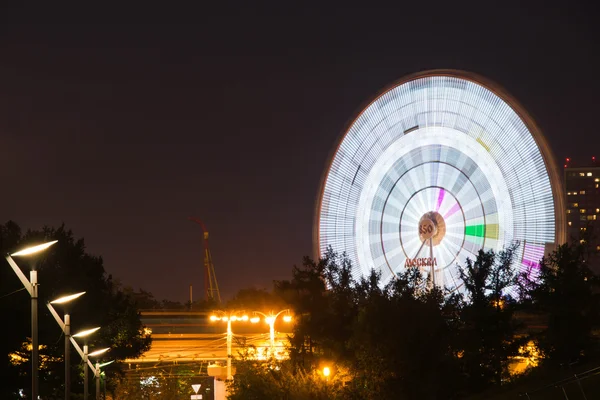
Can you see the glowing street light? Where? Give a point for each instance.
(86, 332)
(66, 299)
(85, 356)
(97, 375)
(326, 372)
(66, 328)
(31, 286)
(270, 320)
(229, 318)
(33, 249)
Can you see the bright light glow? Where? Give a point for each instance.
(86, 332)
(270, 320)
(33, 249)
(326, 371)
(442, 144)
(225, 319)
(287, 318)
(106, 363)
(98, 352)
(234, 318)
(255, 320)
(66, 299)
(244, 318)
(214, 318)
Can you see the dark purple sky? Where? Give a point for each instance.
(121, 123)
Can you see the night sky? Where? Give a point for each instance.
(124, 122)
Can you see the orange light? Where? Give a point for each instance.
(568, 159)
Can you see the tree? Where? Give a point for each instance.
(488, 327)
(66, 268)
(568, 294)
(384, 339)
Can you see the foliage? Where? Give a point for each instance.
(280, 380)
(488, 327)
(567, 294)
(64, 268)
(165, 382)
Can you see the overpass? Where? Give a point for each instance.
(189, 336)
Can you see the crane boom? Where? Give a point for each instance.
(211, 287)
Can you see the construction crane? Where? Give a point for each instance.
(211, 287)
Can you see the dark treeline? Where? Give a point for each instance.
(409, 340)
(65, 268)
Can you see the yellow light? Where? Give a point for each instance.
(98, 352)
(34, 249)
(214, 318)
(254, 320)
(326, 371)
(225, 319)
(85, 333)
(234, 318)
(270, 320)
(66, 299)
(244, 318)
(287, 318)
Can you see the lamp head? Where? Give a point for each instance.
(106, 363)
(33, 249)
(98, 352)
(66, 299)
(86, 332)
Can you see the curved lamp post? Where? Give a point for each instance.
(85, 357)
(31, 286)
(66, 328)
(270, 320)
(97, 374)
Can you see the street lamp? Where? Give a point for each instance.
(229, 318)
(270, 320)
(31, 286)
(85, 357)
(66, 328)
(97, 375)
(326, 373)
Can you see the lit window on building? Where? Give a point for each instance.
(575, 204)
(581, 174)
(582, 210)
(596, 186)
(570, 223)
(582, 192)
(597, 180)
(589, 174)
(568, 193)
(582, 229)
(569, 211)
(598, 248)
(598, 210)
(591, 217)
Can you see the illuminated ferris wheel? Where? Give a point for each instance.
(438, 166)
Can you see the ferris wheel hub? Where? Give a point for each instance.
(432, 226)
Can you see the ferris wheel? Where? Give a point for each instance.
(438, 166)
